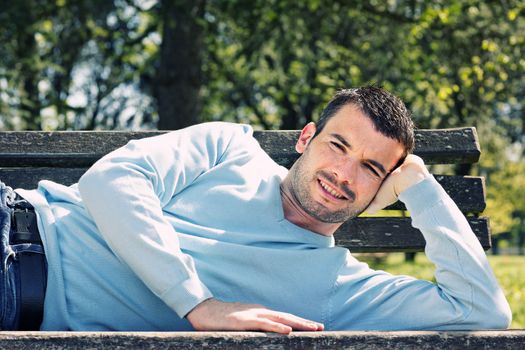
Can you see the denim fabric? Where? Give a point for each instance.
(10, 270)
(8, 297)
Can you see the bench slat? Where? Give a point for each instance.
(28, 178)
(443, 146)
(422, 340)
(81, 149)
(395, 234)
(467, 191)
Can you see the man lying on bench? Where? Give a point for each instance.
(200, 229)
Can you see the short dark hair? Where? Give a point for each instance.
(388, 113)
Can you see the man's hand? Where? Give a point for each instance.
(213, 314)
(411, 172)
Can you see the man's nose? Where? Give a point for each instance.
(347, 170)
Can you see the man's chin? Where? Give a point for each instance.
(336, 217)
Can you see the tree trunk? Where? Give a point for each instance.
(27, 52)
(179, 76)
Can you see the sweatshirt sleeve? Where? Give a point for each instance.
(466, 294)
(125, 193)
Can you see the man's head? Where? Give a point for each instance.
(388, 113)
(363, 135)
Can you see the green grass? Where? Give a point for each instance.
(509, 270)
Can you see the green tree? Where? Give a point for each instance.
(73, 63)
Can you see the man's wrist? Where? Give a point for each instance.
(422, 196)
(411, 179)
(198, 308)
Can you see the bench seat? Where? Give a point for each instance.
(421, 340)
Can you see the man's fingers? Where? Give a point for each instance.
(295, 322)
(267, 325)
(373, 208)
(384, 197)
(381, 202)
(411, 172)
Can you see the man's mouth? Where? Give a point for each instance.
(331, 190)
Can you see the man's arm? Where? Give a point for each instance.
(125, 193)
(213, 314)
(466, 295)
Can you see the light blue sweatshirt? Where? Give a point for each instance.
(161, 224)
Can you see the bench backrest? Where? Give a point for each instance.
(29, 156)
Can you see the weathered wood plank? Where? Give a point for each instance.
(421, 340)
(468, 192)
(448, 146)
(395, 234)
(28, 178)
(443, 146)
(83, 148)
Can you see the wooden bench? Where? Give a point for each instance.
(27, 157)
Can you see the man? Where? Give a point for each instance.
(200, 229)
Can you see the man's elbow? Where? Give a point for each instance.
(496, 316)
(502, 317)
(87, 182)
(92, 184)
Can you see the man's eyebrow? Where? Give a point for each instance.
(342, 140)
(371, 161)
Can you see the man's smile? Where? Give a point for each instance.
(331, 191)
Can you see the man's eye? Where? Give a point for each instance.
(337, 145)
(371, 170)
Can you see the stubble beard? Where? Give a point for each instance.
(302, 194)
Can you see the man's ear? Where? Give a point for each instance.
(306, 135)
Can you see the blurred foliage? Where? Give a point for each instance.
(77, 64)
(73, 64)
(508, 271)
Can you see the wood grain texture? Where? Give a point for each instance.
(421, 340)
(395, 234)
(83, 148)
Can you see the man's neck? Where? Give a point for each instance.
(296, 215)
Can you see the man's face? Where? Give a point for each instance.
(342, 168)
